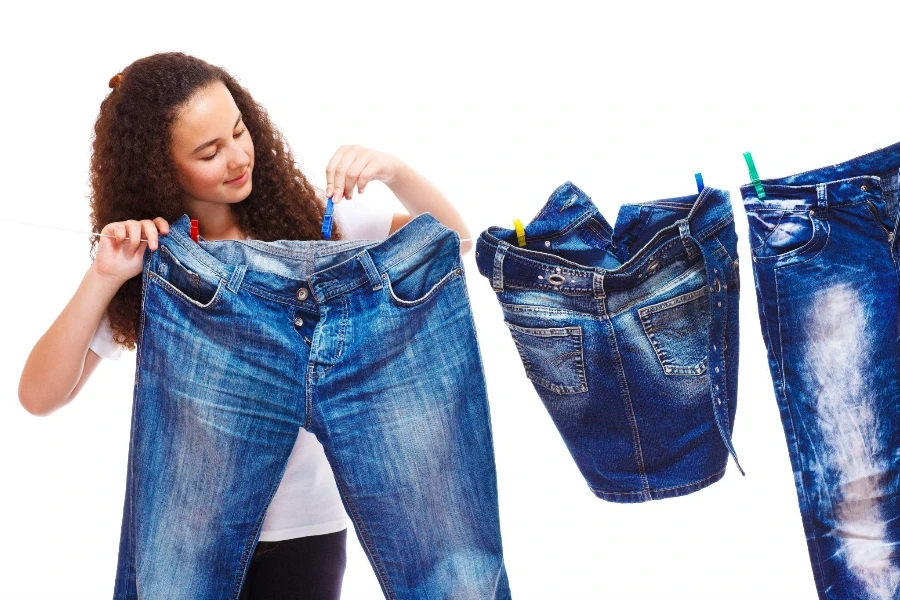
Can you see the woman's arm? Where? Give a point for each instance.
(356, 166)
(60, 362)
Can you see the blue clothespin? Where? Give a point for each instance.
(699, 178)
(326, 222)
(754, 176)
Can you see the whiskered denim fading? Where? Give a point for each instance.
(825, 263)
(369, 345)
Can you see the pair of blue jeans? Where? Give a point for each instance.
(369, 345)
(629, 334)
(827, 271)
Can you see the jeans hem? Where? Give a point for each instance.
(659, 493)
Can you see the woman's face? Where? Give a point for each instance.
(212, 149)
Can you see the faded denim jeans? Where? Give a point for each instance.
(369, 345)
(825, 261)
(629, 334)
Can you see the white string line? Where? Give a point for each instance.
(105, 234)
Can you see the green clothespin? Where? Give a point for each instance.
(754, 176)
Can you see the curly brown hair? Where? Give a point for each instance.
(132, 172)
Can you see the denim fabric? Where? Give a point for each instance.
(629, 335)
(369, 345)
(825, 262)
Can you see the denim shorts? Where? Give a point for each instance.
(827, 271)
(371, 346)
(629, 334)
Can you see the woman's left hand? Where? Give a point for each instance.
(354, 167)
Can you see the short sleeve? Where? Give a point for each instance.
(362, 220)
(104, 343)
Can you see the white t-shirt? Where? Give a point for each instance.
(307, 500)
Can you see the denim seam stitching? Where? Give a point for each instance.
(665, 489)
(817, 566)
(675, 282)
(711, 230)
(132, 567)
(401, 303)
(352, 285)
(635, 434)
(543, 381)
(363, 534)
(246, 557)
(799, 251)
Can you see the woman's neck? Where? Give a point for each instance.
(216, 222)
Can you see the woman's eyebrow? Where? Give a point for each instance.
(211, 142)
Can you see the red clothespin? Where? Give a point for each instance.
(195, 230)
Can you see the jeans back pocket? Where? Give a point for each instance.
(553, 357)
(678, 330)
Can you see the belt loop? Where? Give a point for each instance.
(685, 230)
(237, 276)
(822, 200)
(371, 272)
(599, 292)
(497, 275)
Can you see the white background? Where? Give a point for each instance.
(496, 104)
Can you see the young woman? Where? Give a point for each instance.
(180, 136)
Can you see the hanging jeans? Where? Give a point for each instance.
(369, 345)
(826, 266)
(629, 335)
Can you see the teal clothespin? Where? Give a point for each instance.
(754, 176)
(329, 216)
(699, 178)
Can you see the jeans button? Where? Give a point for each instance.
(302, 294)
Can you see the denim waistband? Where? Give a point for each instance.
(328, 268)
(705, 214)
(848, 182)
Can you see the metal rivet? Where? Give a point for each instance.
(547, 243)
(302, 294)
(812, 213)
(717, 388)
(717, 369)
(555, 279)
(298, 322)
(718, 304)
(477, 254)
(864, 187)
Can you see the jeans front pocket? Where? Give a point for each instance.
(200, 290)
(678, 330)
(553, 357)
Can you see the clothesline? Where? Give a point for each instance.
(103, 234)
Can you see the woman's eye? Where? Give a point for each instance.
(238, 134)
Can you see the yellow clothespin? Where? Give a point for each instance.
(520, 231)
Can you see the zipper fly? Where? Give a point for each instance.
(890, 234)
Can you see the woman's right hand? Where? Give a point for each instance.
(120, 260)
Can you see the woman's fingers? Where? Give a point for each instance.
(162, 225)
(331, 175)
(150, 233)
(369, 172)
(134, 234)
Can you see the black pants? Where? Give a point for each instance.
(307, 568)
